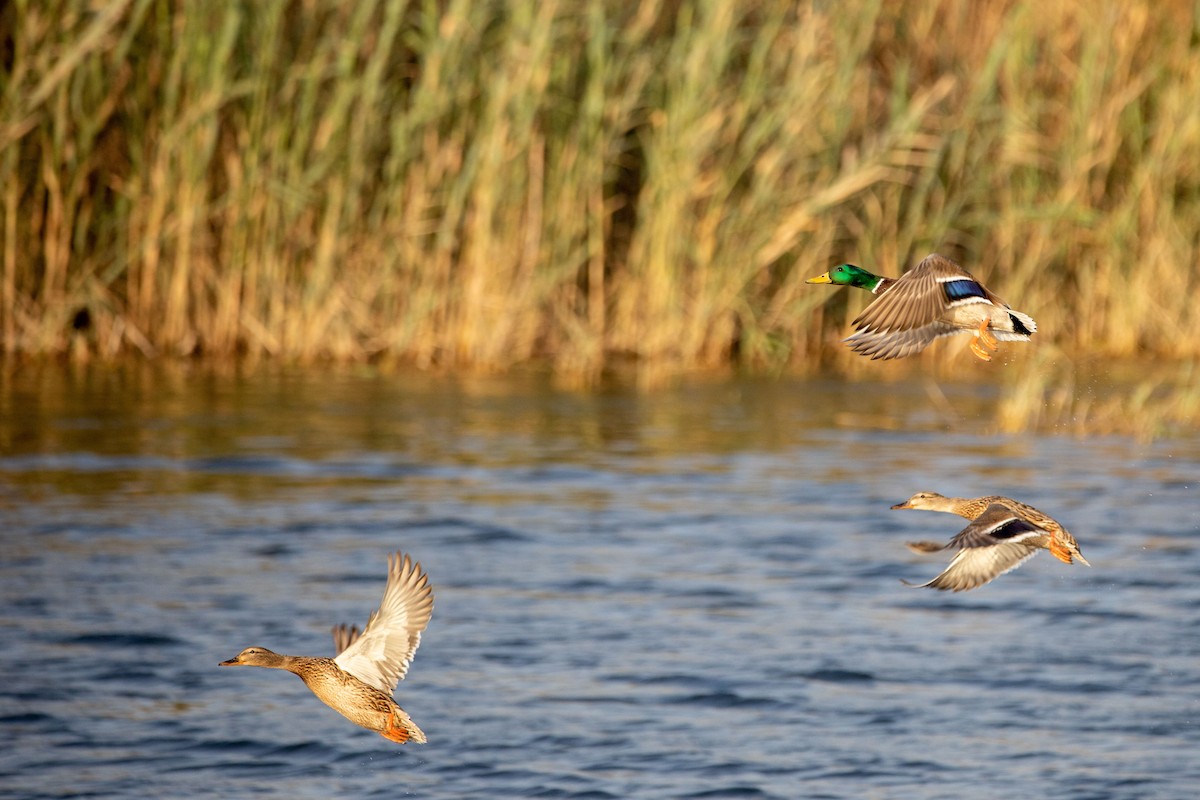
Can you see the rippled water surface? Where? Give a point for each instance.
(693, 592)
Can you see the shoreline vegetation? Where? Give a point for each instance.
(591, 185)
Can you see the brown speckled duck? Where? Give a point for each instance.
(935, 298)
(358, 683)
(1002, 535)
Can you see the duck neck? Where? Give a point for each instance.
(881, 283)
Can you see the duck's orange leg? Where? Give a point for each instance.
(400, 729)
(1059, 552)
(990, 341)
(984, 339)
(394, 732)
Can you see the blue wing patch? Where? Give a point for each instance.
(962, 289)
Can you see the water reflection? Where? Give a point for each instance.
(638, 594)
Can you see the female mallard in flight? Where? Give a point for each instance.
(935, 298)
(359, 682)
(1003, 534)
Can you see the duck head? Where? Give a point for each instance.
(255, 657)
(927, 501)
(849, 275)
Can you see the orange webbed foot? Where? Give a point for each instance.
(394, 732)
(398, 728)
(983, 342)
(980, 353)
(1060, 552)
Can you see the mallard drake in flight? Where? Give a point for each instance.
(1002, 535)
(358, 683)
(935, 298)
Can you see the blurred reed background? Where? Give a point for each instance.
(466, 184)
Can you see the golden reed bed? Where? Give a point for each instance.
(589, 184)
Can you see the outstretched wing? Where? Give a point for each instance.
(996, 542)
(344, 636)
(976, 566)
(380, 655)
(913, 301)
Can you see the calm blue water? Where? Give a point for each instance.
(688, 593)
